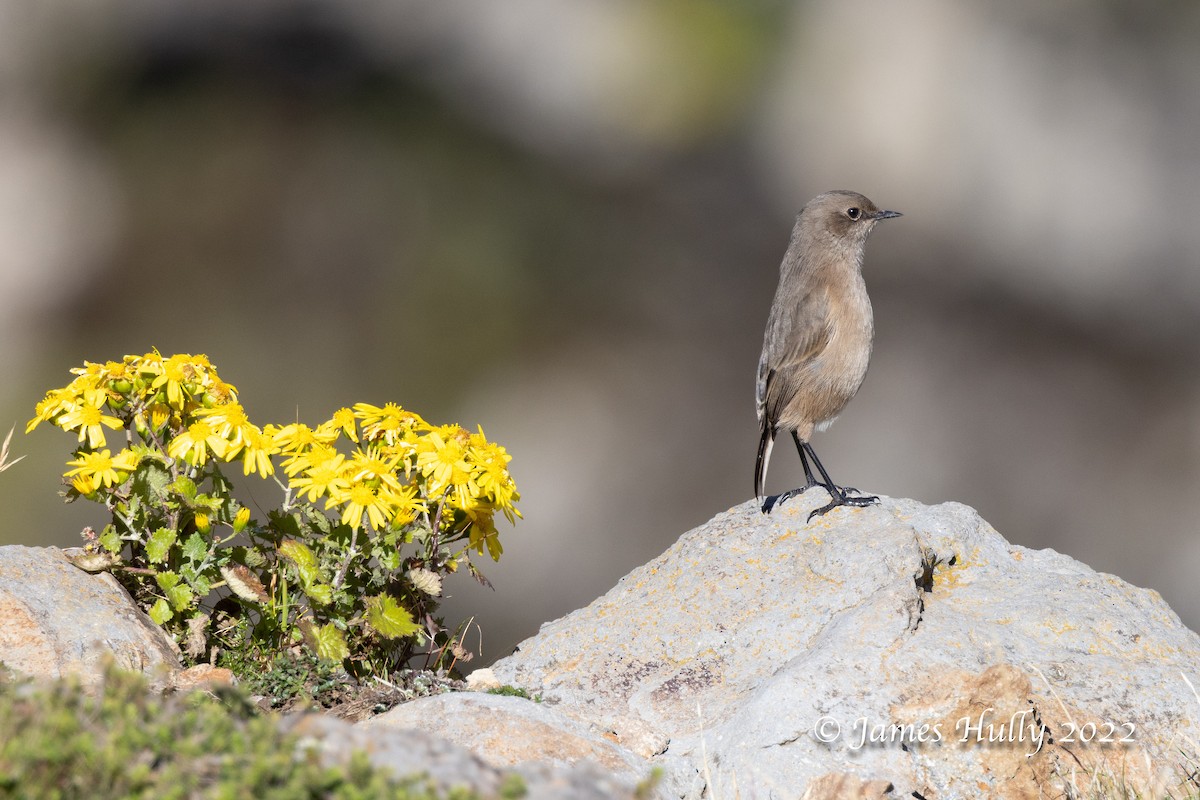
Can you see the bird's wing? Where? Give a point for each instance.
(795, 335)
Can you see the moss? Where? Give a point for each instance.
(513, 787)
(515, 691)
(124, 741)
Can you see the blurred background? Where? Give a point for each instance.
(564, 221)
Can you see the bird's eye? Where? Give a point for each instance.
(853, 213)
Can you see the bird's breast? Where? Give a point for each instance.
(843, 364)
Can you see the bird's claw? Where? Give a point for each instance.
(770, 502)
(839, 498)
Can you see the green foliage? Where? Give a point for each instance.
(411, 502)
(126, 742)
(514, 691)
(295, 675)
(513, 787)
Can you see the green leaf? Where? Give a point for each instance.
(212, 504)
(109, 539)
(319, 593)
(299, 554)
(166, 580)
(180, 597)
(184, 486)
(161, 612)
(389, 618)
(200, 583)
(150, 482)
(195, 548)
(316, 520)
(159, 545)
(252, 556)
(390, 559)
(284, 523)
(326, 641)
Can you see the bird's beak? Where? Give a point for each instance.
(887, 214)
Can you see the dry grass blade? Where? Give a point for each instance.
(4, 462)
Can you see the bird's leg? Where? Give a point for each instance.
(838, 495)
(810, 481)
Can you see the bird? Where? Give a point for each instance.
(818, 340)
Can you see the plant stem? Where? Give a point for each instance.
(350, 554)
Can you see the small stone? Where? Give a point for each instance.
(202, 676)
(481, 680)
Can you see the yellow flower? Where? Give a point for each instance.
(177, 371)
(389, 423)
(113, 378)
(344, 420)
(102, 468)
(231, 423)
(149, 365)
(195, 442)
(321, 478)
(443, 461)
(405, 504)
(241, 519)
(297, 436)
(222, 393)
(374, 465)
(83, 484)
(494, 481)
(159, 414)
(483, 533)
(256, 448)
(90, 421)
(360, 499)
(89, 374)
(490, 464)
(54, 403)
(308, 458)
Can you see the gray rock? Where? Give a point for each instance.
(56, 620)
(754, 657)
(406, 753)
(448, 766)
(516, 732)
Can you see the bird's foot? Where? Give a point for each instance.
(770, 502)
(839, 497)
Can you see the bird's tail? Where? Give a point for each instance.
(765, 442)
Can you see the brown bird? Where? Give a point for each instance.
(819, 335)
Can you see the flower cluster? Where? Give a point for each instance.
(166, 401)
(400, 469)
(387, 477)
(180, 405)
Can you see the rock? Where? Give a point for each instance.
(840, 786)
(448, 766)
(516, 732)
(481, 680)
(899, 644)
(406, 753)
(56, 619)
(202, 676)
